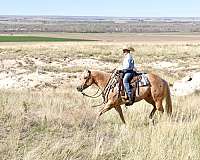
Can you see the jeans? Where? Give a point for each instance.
(126, 81)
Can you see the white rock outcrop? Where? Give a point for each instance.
(188, 85)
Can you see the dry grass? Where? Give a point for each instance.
(56, 124)
(185, 54)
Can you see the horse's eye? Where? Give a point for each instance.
(85, 77)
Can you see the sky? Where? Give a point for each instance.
(116, 8)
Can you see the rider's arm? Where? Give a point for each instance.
(130, 62)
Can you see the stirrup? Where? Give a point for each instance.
(131, 100)
(129, 103)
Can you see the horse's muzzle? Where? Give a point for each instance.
(79, 88)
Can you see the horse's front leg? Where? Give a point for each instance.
(106, 108)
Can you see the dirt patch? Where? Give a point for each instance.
(164, 65)
(37, 73)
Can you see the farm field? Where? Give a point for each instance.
(118, 37)
(42, 116)
(11, 38)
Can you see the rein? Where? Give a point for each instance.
(92, 96)
(104, 92)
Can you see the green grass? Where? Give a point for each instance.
(36, 39)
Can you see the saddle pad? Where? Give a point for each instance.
(144, 80)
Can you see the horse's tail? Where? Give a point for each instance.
(168, 105)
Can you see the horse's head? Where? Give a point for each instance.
(85, 80)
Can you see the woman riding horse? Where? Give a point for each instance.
(128, 73)
(154, 93)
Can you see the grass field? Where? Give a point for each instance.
(120, 37)
(56, 124)
(8, 38)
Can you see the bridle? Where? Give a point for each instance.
(105, 92)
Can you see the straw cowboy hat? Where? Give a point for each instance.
(128, 48)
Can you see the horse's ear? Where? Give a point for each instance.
(89, 72)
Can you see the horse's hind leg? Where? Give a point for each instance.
(152, 112)
(151, 101)
(119, 110)
(159, 107)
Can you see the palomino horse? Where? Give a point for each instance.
(154, 93)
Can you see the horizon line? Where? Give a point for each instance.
(48, 15)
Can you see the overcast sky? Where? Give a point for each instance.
(128, 8)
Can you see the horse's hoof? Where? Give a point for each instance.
(151, 122)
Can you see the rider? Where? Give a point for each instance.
(128, 66)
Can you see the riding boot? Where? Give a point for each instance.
(131, 100)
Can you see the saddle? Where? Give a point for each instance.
(116, 81)
(135, 83)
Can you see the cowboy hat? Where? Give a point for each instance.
(128, 48)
